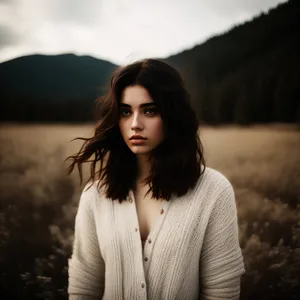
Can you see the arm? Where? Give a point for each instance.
(86, 266)
(221, 261)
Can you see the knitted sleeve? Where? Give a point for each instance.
(86, 266)
(221, 260)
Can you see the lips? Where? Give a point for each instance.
(137, 137)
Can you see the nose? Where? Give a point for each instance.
(136, 123)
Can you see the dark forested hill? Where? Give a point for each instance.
(250, 74)
(52, 88)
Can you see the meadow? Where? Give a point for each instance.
(38, 203)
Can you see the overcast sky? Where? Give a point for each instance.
(120, 31)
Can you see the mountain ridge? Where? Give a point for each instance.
(230, 76)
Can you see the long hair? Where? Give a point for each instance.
(176, 164)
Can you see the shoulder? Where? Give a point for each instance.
(213, 187)
(214, 180)
(90, 194)
(220, 192)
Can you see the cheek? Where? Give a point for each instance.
(158, 128)
(122, 127)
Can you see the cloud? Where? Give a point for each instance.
(86, 12)
(232, 7)
(8, 36)
(7, 1)
(117, 30)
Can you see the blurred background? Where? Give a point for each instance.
(240, 61)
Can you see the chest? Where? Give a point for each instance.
(123, 226)
(148, 211)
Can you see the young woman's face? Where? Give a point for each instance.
(139, 116)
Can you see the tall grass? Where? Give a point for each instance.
(38, 204)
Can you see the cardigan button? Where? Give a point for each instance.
(161, 211)
(130, 199)
(142, 285)
(149, 241)
(135, 229)
(146, 259)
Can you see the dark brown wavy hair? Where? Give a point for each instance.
(176, 164)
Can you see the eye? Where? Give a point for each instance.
(151, 111)
(124, 112)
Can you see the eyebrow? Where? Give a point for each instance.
(142, 105)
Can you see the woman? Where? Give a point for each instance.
(154, 222)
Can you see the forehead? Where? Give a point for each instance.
(134, 95)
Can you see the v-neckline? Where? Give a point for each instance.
(157, 222)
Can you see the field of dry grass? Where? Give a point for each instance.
(38, 204)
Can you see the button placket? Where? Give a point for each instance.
(147, 249)
(136, 229)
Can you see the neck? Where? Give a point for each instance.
(143, 168)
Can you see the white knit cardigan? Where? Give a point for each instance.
(192, 251)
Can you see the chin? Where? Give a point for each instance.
(140, 150)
